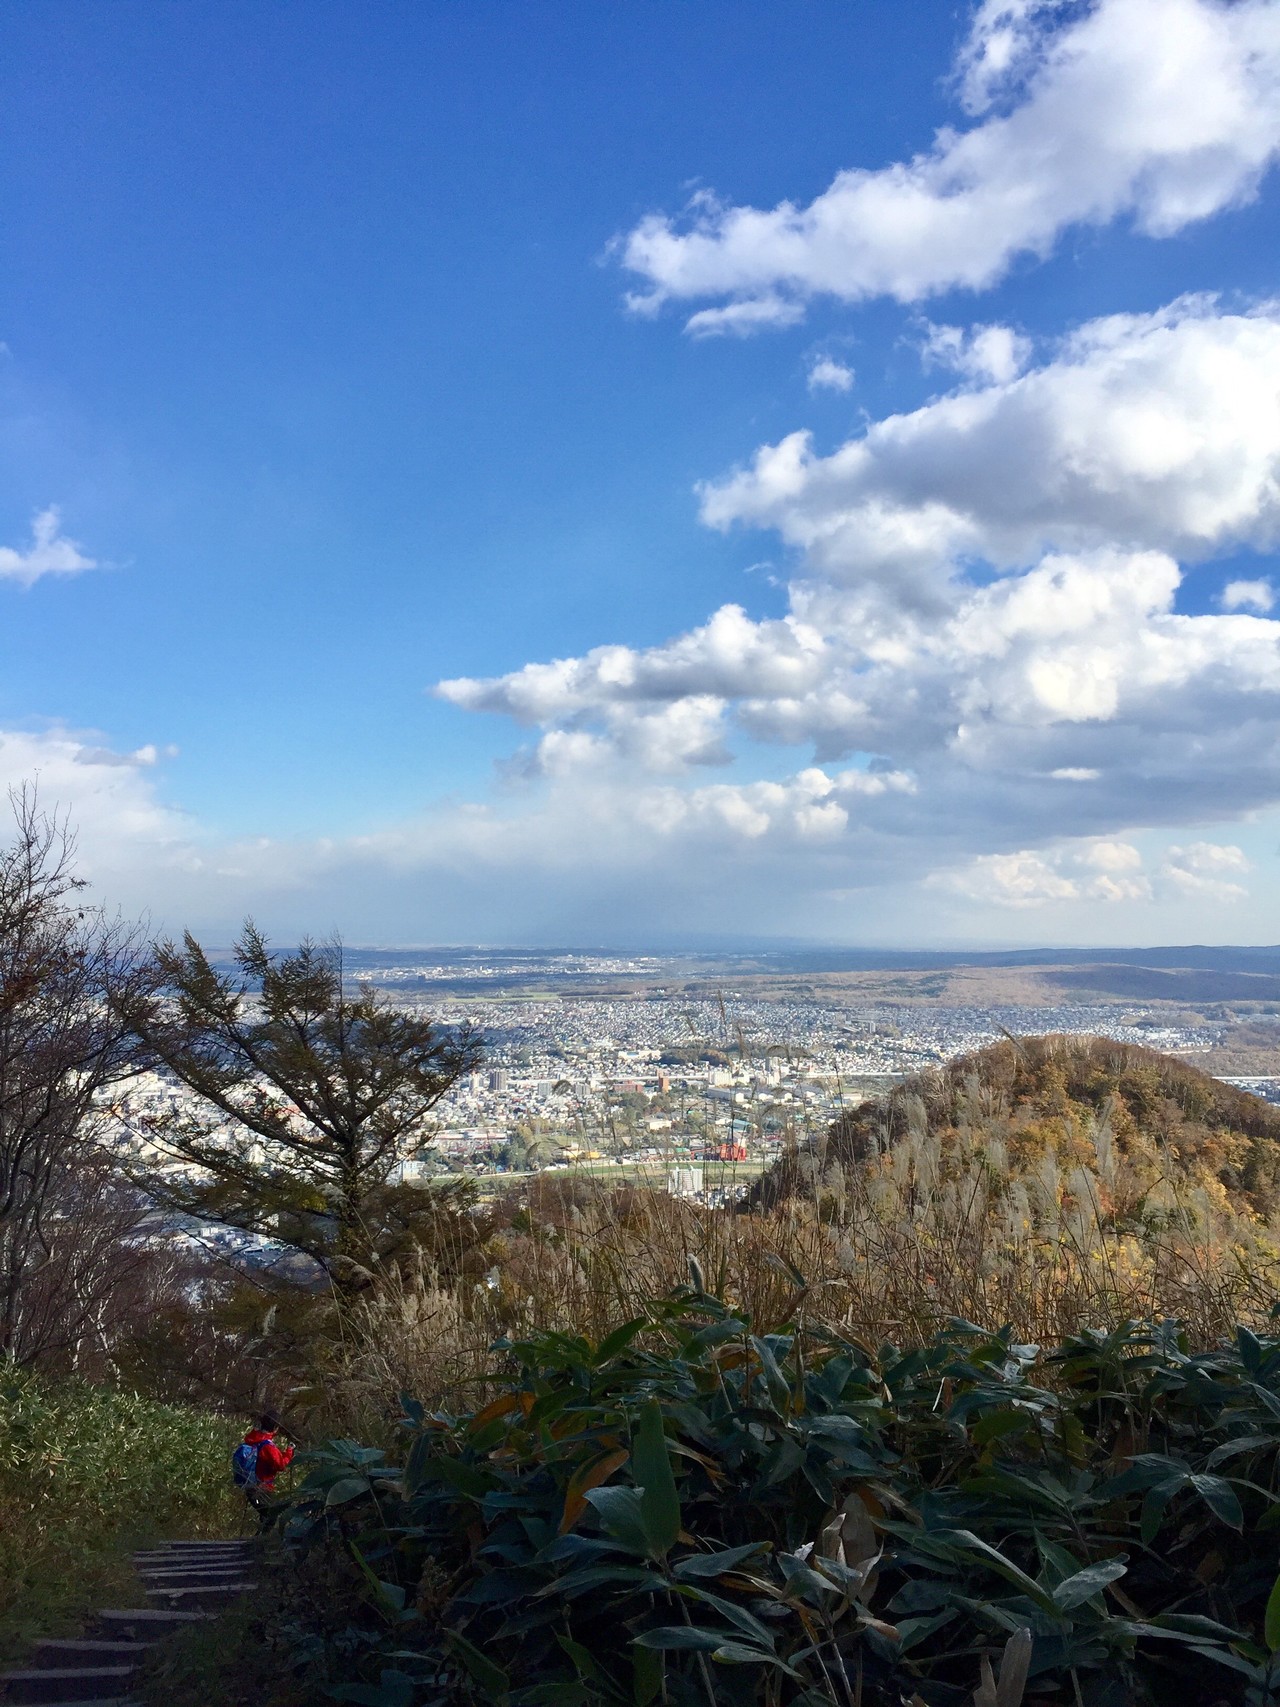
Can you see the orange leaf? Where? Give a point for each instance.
(499, 1408)
(874, 1506)
(591, 1476)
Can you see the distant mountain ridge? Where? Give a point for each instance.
(1174, 984)
(1190, 957)
(468, 959)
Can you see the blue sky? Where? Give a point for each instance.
(317, 337)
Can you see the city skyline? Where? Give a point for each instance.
(645, 476)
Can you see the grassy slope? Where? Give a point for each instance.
(231, 1663)
(86, 1475)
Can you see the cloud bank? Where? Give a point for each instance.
(984, 651)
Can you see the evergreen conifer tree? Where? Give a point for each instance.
(309, 1097)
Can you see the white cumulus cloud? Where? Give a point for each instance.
(728, 656)
(986, 354)
(1160, 111)
(49, 553)
(1248, 595)
(1106, 871)
(985, 608)
(1206, 871)
(827, 374)
(1158, 429)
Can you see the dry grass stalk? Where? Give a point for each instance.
(890, 1251)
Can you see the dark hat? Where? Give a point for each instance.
(268, 1421)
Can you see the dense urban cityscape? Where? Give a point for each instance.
(593, 1063)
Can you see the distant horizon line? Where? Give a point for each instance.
(789, 947)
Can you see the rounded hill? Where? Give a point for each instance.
(1138, 1122)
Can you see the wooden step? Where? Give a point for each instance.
(202, 1547)
(240, 1541)
(228, 1550)
(207, 1592)
(73, 1651)
(184, 1556)
(158, 1570)
(147, 1622)
(189, 1579)
(62, 1683)
(156, 1574)
(192, 1578)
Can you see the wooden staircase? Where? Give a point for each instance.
(184, 1582)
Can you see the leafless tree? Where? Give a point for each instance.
(94, 1275)
(64, 968)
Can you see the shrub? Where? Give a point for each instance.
(85, 1475)
(697, 1511)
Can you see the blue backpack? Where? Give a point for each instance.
(244, 1465)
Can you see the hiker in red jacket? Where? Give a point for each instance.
(270, 1459)
(256, 1463)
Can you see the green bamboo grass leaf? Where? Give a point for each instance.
(803, 1582)
(746, 1621)
(584, 1664)
(778, 1386)
(630, 1578)
(995, 1425)
(741, 1654)
(646, 1675)
(1250, 1349)
(715, 1333)
(651, 1467)
(1153, 1506)
(1271, 1619)
(1083, 1585)
(913, 1631)
(618, 1340)
(1190, 1624)
(1265, 1396)
(389, 1596)
(1225, 1657)
(1232, 1448)
(681, 1638)
(1220, 1497)
(951, 1542)
(621, 1512)
(491, 1678)
(716, 1564)
(347, 1488)
(396, 1689)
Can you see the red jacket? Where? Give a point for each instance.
(270, 1458)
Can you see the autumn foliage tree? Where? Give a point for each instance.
(308, 1097)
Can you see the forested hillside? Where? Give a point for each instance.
(1138, 1129)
